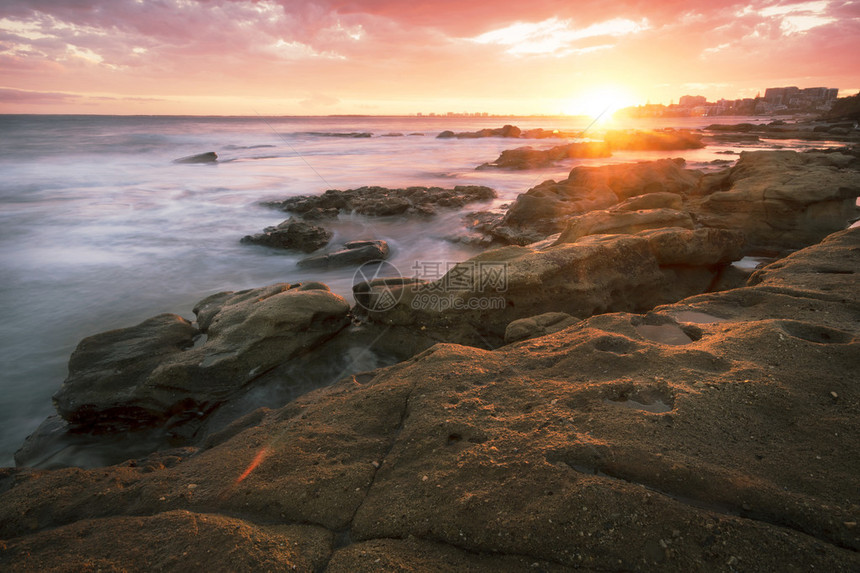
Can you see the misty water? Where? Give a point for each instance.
(99, 229)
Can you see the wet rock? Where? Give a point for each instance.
(208, 157)
(382, 201)
(347, 134)
(353, 253)
(144, 375)
(530, 158)
(506, 131)
(292, 234)
(540, 133)
(781, 199)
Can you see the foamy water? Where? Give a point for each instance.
(100, 230)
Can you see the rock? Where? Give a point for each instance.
(741, 127)
(354, 253)
(652, 140)
(382, 201)
(539, 325)
(781, 199)
(598, 447)
(144, 375)
(545, 209)
(622, 222)
(699, 247)
(652, 201)
(477, 299)
(530, 158)
(170, 540)
(348, 134)
(506, 131)
(540, 133)
(208, 157)
(292, 234)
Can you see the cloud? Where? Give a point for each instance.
(444, 51)
(13, 96)
(319, 100)
(556, 37)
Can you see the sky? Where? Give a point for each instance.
(379, 57)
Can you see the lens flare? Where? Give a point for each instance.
(258, 459)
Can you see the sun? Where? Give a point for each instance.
(599, 103)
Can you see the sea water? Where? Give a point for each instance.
(100, 229)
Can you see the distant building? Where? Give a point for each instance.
(692, 101)
(780, 96)
(789, 99)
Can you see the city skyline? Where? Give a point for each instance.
(381, 57)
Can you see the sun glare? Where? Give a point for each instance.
(599, 103)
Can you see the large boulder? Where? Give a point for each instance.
(546, 208)
(165, 368)
(292, 234)
(781, 199)
(477, 299)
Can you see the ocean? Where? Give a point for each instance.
(99, 229)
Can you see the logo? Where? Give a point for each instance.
(380, 286)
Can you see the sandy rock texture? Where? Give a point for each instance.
(580, 274)
(781, 199)
(715, 434)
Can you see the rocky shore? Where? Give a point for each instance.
(605, 391)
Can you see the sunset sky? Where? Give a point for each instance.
(285, 57)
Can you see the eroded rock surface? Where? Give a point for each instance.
(718, 433)
(582, 275)
(546, 208)
(781, 199)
